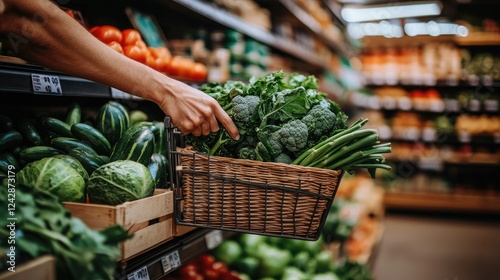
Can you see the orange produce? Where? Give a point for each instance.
(130, 37)
(198, 72)
(135, 52)
(107, 33)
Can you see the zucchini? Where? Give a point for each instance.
(89, 160)
(111, 122)
(56, 126)
(74, 114)
(122, 109)
(29, 132)
(66, 144)
(93, 137)
(137, 144)
(10, 159)
(38, 152)
(9, 140)
(158, 169)
(6, 123)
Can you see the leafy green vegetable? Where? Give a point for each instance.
(120, 181)
(260, 109)
(55, 176)
(228, 251)
(293, 135)
(44, 226)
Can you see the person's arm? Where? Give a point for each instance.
(40, 32)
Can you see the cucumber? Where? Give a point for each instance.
(6, 123)
(38, 152)
(29, 132)
(10, 159)
(111, 122)
(93, 137)
(161, 144)
(158, 169)
(104, 158)
(74, 114)
(9, 140)
(56, 126)
(67, 144)
(90, 161)
(137, 144)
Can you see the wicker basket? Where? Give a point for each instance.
(250, 196)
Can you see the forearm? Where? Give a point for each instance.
(42, 37)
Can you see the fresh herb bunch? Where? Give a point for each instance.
(284, 118)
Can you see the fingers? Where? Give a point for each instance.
(228, 123)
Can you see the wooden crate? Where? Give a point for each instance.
(42, 268)
(180, 230)
(149, 219)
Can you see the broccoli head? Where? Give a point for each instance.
(283, 158)
(319, 120)
(247, 153)
(293, 135)
(244, 107)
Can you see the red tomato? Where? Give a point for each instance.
(180, 67)
(220, 267)
(116, 46)
(205, 261)
(142, 44)
(107, 34)
(211, 274)
(135, 52)
(198, 72)
(130, 37)
(160, 52)
(232, 275)
(162, 64)
(93, 28)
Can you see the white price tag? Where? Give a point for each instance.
(170, 261)
(464, 137)
(140, 274)
(388, 102)
(474, 105)
(213, 239)
(46, 84)
(436, 105)
(404, 103)
(429, 134)
(431, 164)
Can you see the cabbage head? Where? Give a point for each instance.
(120, 181)
(55, 176)
(75, 164)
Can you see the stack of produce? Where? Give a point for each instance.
(284, 118)
(113, 160)
(130, 43)
(44, 227)
(261, 257)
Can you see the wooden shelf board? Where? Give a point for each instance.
(442, 202)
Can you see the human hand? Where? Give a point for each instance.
(193, 111)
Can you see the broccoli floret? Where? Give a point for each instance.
(283, 158)
(244, 107)
(293, 135)
(319, 120)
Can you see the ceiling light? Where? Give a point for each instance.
(356, 13)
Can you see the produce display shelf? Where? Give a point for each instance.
(474, 140)
(315, 27)
(164, 259)
(473, 81)
(479, 39)
(19, 78)
(16, 78)
(230, 20)
(442, 202)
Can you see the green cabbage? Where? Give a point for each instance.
(75, 164)
(120, 181)
(55, 176)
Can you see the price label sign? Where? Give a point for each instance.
(170, 261)
(46, 84)
(140, 274)
(213, 239)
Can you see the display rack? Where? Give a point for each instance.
(230, 20)
(164, 259)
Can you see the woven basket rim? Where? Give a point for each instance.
(293, 167)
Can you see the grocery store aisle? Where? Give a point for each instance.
(424, 247)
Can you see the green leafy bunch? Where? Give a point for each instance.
(279, 116)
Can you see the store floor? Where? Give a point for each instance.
(430, 247)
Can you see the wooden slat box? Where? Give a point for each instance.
(42, 268)
(150, 220)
